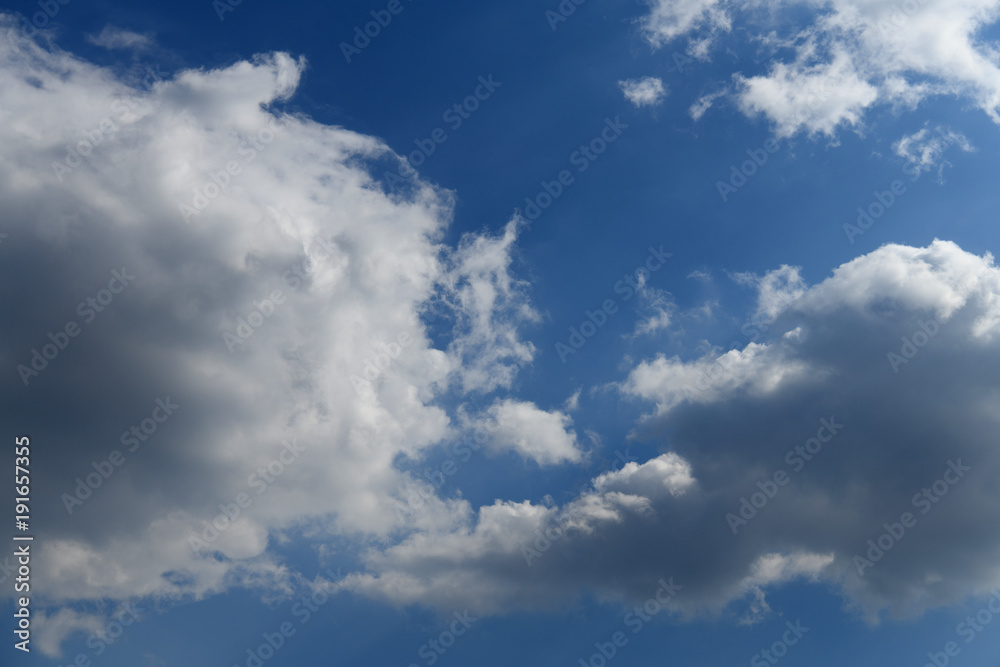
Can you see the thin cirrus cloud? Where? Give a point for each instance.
(854, 56)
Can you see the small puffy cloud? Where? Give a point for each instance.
(657, 311)
(667, 473)
(645, 92)
(776, 290)
(818, 98)
(119, 38)
(925, 150)
(669, 19)
(544, 437)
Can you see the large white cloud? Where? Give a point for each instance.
(877, 384)
(279, 300)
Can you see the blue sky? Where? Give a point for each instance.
(364, 339)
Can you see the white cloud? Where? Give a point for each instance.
(667, 472)
(544, 437)
(854, 55)
(120, 38)
(669, 19)
(52, 630)
(645, 92)
(658, 308)
(703, 104)
(298, 211)
(776, 290)
(819, 98)
(926, 151)
(654, 519)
